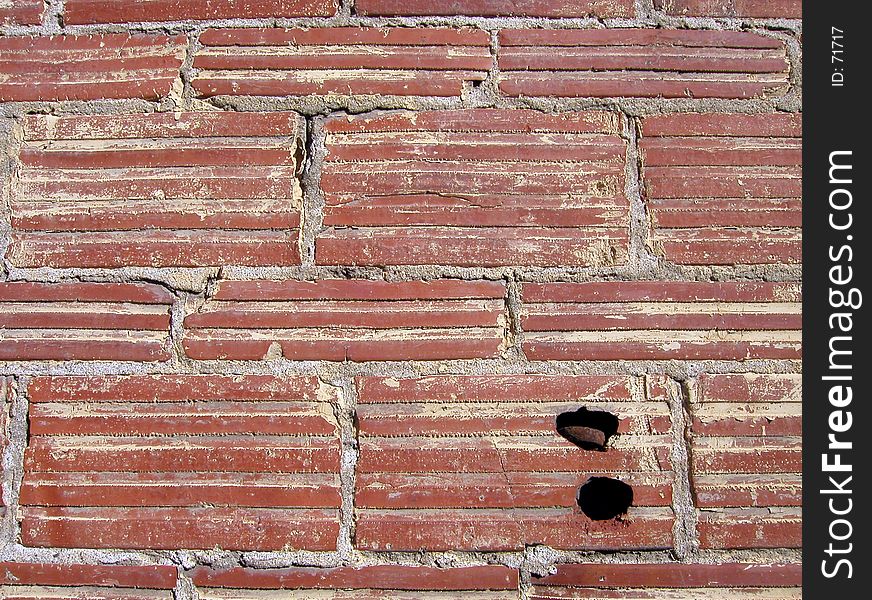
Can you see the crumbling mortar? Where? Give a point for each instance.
(312, 209)
(642, 260)
(686, 537)
(345, 411)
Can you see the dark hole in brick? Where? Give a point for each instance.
(587, 429)
(603, 498)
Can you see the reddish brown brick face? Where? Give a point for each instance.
(400, 300)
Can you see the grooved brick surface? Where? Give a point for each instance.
(400, 300)
(21, 12)
(35, 581)
(641, 63)
(743, 581)
(349, 320)
(181, 461)
(92, 67)
(513, 187)
(475, 463)
(515, 8)
(490, 582)
(342, 60)
(84, 321)
(724, 189)
(649, 320)
(762, 9)
(80, 12)
(190, 189)
(747, 459)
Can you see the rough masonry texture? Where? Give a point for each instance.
(371, 299)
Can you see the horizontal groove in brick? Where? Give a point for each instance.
(737, 528)
(661, 321)
(343, 60)
(444, 451)
(381, 577)
(84, 321)
(349, 320)
(746, 449)
(744, 581)
(85, 12)
(493, 8)
(37, 581)
(108, 66)
(513, 186)
(641, 63)
(21, 12)
(760, 9)
(260, 529)
(723, 188)
(261, 452)
(503, 530)
(187, 189)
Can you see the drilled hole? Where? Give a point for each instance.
(587, 429)
(603, 498)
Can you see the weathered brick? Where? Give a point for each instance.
(475, 188)
(762, 9)
(747, 459)
(110, 66)
(724, 188)
(476, 463)
(641, 63)
(344, 319)
(82, 12)
(84, 321)
(346, 61)
(492, 8)
(185, 189)
(490, 582)
(21, 12)
(37, 581)
(181, 461)
(743, 581)
(661, 320)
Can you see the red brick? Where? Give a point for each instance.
(493, 8)
(83, 12)
(188, 189)
(679, 581)
(261, 451)
(493, 530)
(34, 581)
(641, 63)
(661, 321)
(345, 61)
(724, 189)
(84, 321)
(438, 452)
(761, 9)
(674, 575)
(349, 320)
(746, 437)
(403, 188)
(383, 577)
(750, 528)
(264, 529)
(110, 66)
(21, 12)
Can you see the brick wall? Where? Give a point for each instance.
(373, 299)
